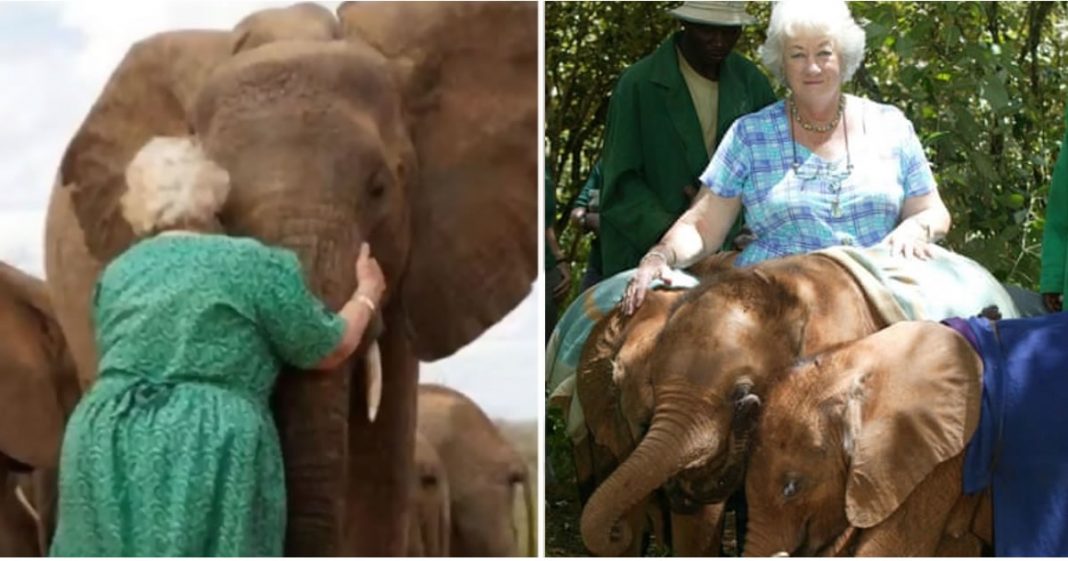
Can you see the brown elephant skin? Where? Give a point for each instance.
(38, 391)
(709, 368)
(428, 520)
(484, 472)
(860, 451)
(411, 132)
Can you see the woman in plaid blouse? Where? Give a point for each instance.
(818, 169)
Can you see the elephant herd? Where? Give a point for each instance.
(463, 492)
(392, 123)
(785, 384)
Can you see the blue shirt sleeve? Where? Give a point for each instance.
(916, 174)
(728, 172)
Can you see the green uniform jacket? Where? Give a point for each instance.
(1055, 235)
(654, 147)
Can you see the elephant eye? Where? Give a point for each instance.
(790, 489)
(428, 480)
(378, 182)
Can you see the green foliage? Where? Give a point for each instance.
(984, 83)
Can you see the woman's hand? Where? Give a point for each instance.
(653, 266)
(370, 282)
(910, 239)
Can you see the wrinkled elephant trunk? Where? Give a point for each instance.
(676, 438)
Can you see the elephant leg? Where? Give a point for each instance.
(697, 535)
(382, 461)
(917, 526)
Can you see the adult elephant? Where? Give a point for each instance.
(410, 132)
(717, 354)
(38, 390)
(428, 521)
(483, 470)
(860, 451)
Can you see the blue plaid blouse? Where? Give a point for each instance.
(822, 203)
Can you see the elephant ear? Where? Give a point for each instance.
(472, 105)
(597, 388)
(913, 403)
(31, 416)
(148, 95)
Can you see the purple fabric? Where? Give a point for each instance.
(961, 326)
(1020, 448)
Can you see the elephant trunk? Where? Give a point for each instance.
(676, 438)
(313, 412)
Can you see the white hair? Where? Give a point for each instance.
(790, 18)
(169, 182)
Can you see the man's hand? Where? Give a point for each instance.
(577, 214)
(1054, 301)
(564, 285)
(592, 221)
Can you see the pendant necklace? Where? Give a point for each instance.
(834, 179)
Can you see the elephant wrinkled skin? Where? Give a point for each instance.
(411, 132)
(860, 451)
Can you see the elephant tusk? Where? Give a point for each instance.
(374, 380)
(21, 496)
(781, 554)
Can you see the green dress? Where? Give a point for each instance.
(173, 451)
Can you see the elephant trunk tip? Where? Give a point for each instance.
(605, 539)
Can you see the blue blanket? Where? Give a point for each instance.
(1020, 448)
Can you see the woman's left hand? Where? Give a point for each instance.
(909, 239)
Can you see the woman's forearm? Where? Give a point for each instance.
(700, 231)
(929, 213)
(357, 315)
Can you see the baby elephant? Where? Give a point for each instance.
(428, 516)
(905, 442)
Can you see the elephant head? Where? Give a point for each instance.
(411, 132)
(484, 471)
(38, 391)
(711, 364)
(429, 526)
(847, 436)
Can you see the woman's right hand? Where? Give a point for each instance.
(653, 266)
(370, 282)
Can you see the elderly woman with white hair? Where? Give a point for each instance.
(173, 451)
(818, 169)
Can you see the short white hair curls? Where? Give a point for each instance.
(790, 18)
(171, 182)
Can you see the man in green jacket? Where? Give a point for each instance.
(666, 117)
(1053, 282)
